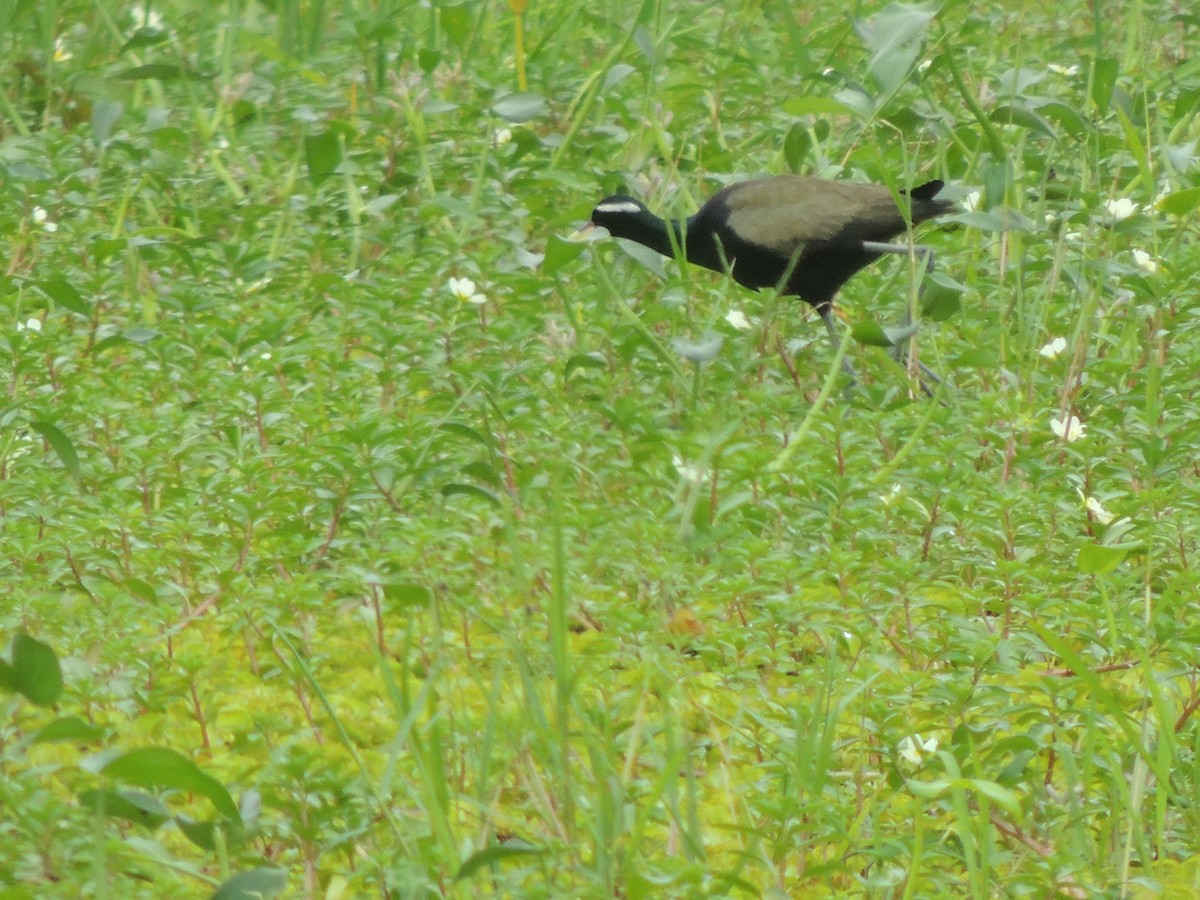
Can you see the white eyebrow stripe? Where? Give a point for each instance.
(620, 206)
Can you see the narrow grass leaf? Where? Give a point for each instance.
(490, 856)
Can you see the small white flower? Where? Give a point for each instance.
(1053, 348)
(973, 201)
(150, 19)
(923, 65)
(464, 289)
(737, 319)
(688, 472)
(1063, 70)
(501, 137)
(1070, 428)
(1103, 516)
(914, 749)
(30, 325)
(892, 495)
(1145, 261)
(1121, 208)
(61, 53)
(40, 217)
(1051, 218)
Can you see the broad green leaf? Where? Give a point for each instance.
(895, 34)
(69, 728)
(870, 332)
(591, 360)
(456, 22)
(322, 153)
(159, 767)
(105, 114)
(942, 297)
(1067, 117)
(137, 807)
(407, 594)
(1180, 203)
(560, 252)
(1100, 559)
(64, 295)
(60, 444)
(253, 884)
(35, 670)
(1016, 114)
(998, 794)
(520, 107)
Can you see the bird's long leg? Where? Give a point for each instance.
(928, 260)
(826, 313)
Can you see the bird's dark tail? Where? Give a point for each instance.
(926, 191)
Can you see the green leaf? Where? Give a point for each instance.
(895, 35)
(322, 154)
(471, 490)
(485, 440)
(105, 114)
(796, 144)
(132, 806)
(520, 107)
(407, 594)
(1067, 117)
(1100, 559)
(942, 297)
(1104, 76)
(1180, 203)
(69, 728)
(590, 360)
(817, 106)
(142, 38)
(1019, 114)
(498, 853)
(35, 670)
(60, 444)
(64, 295)
(160, 72)
(928, 790)
(253, 884)
(560, 252)
(998, 794)
(871, 333)
(456, 22)
(159, 767)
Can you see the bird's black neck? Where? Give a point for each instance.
(662, 236)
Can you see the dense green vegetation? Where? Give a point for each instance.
(389, 544)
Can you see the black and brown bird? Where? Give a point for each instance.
(805, 236)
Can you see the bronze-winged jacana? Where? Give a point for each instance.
(804, 236)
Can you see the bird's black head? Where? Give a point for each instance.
(624, 217)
